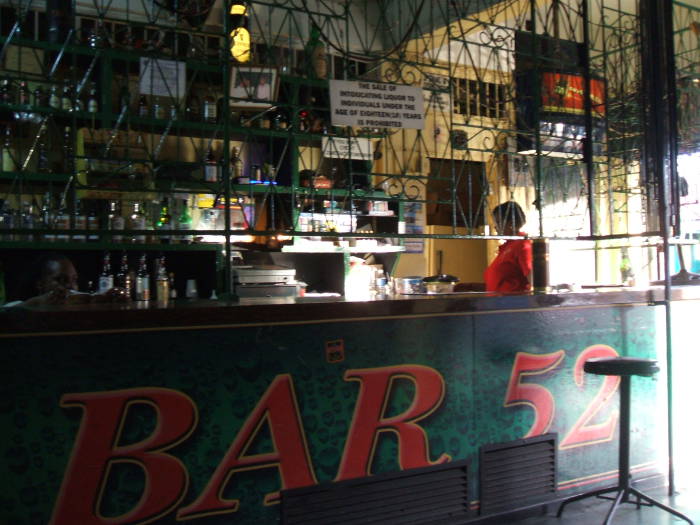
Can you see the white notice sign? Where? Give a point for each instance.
(356, 148)
(164, 78)
(376, 105)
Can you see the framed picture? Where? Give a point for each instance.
(253, 87)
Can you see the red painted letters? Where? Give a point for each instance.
(97, 449)
(278, 408)
(369, 420)
(536, 396)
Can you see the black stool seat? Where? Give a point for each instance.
(625, 367)
(621, 366)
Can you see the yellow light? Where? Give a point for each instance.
(240, 37)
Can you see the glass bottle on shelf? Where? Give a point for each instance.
(137, 221)
(106, 279)
(162, 282)
(164, 222)
(7, 221)
(28, 221)
(68, 157)
(92, 102)
(115, 221)
(67, 97)
(193, 110)
(184, 222)
(93, 224)
(123, 277)
(54, 99)
(236, 166)
(24, 94)
(317, 66)
(6, 94)
(62, 222)
(143, 281)
(124, 99)
(211, 168)
(143, 106)
(209, 109)
(158, 108)
(79, 221)
(42, 154)
(46, 218)
(39, 96)
(9, 154)
(171, 283)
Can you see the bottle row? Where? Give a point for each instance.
(137, 284)
(94, 218)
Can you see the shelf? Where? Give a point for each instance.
(106, 246)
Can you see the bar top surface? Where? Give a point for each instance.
(184, 314)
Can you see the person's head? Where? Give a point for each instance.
(508, 217)
(263, 80)
(51, 271)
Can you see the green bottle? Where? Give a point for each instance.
(184, 222)
(2, 285)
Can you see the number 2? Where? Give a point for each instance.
(584, 433)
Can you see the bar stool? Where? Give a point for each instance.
(625, 367)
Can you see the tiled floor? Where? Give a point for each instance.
(594, 510)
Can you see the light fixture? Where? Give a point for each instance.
(240, 36)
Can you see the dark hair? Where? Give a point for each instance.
(509, 213)
(36, 271)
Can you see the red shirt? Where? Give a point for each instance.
(510, 270)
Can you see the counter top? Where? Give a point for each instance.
(185, 314)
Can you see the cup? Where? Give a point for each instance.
(191, 289)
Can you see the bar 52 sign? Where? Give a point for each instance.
(98, 445)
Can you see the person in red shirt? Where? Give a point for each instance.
(510, 271)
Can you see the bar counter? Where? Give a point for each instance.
(188, 313)
(207, 410)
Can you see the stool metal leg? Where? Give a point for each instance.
(624, 487)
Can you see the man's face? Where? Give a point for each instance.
(58, 275)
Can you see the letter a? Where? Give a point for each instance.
(278, 408)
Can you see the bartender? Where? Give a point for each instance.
(510, 271)
(53, 280)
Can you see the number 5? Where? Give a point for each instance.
(536, 396)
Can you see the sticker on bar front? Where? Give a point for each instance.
(335, 351)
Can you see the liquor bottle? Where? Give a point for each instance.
(124, 99)
(6, 94)
(24, 93)
(93, 224)
(27, 221)
(67, 97)
(79, 221)
(236, 166)
(60, 19)
(143, 106)
(317, 66)
(143, 281)
(240, 35)
(106, 279)
(62, 223)
(9, 155)
(158, 108)
(280, 120)
(164, 222)
(162, 283)
(7, 221)
(46, 218)
(193, 110)
(39, 97)
(184, 222)
(123, 277)
(137, 221)
(211, 167)
(68, 157)
(209, 109)
(54, 99)
(42, 154)
(92, 102)
(115, 221)
(173, 290)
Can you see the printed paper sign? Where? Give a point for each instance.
(376, 105)
(347, 148)
(165, 78)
